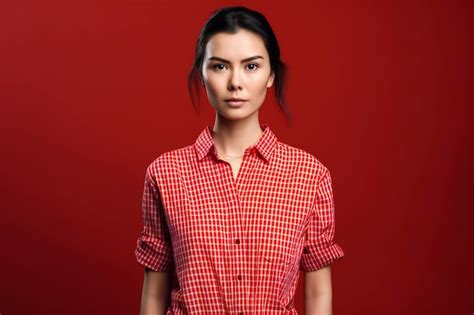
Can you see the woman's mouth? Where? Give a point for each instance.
(235, 101)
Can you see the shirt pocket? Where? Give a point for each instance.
(273, 270)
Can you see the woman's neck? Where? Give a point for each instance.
(232, 139)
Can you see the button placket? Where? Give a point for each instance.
(237, 231)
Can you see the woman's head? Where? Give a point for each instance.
(229, 38)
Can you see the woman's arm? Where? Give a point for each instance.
(318, 292)
(155, 293)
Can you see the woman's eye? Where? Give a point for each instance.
(215, 67)
(220, 66)
(255, 66)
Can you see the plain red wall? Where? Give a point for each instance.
(91, 92)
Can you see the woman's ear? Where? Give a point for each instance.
(271, 78)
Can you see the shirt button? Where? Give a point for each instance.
(305, 250)
(241, 313)
(237, 241)
(239, 277)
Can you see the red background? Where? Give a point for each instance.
(91, 92)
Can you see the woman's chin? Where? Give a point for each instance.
(236, 114)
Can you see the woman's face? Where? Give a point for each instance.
(236, 66)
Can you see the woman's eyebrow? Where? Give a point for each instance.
(227, 61)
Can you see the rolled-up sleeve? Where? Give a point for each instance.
(319, 249)
(153, 247)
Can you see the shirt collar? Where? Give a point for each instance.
(265, 145)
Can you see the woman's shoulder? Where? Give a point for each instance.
(305, 159)
(168, 160)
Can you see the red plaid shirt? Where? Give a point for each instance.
(236, 246)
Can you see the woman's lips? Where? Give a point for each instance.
(235, 103)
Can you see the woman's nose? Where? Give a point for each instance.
(235, 81)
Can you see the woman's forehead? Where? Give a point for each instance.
(238, 45)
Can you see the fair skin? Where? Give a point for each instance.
(235, 129)
(318, 292)
(155, 297)
(228, 72)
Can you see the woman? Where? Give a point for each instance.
(230, 220)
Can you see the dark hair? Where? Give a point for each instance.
(230, 20)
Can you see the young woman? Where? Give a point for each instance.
(230, 220)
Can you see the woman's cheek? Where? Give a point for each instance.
(212, 85)
(215, 82)
(260, 84)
